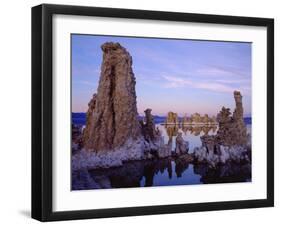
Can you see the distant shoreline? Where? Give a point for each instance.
(79, 118)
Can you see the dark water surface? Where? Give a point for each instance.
(164, 172)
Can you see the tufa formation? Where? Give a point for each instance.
(232, 130)
(231, 141)
(112, 112)
(172, 118)
(148, 128)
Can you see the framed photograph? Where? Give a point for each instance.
(145, 112)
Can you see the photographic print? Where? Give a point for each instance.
(159, 112)
(130, 106)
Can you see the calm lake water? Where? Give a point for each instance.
(164, 172)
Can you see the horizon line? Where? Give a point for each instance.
(160, 115)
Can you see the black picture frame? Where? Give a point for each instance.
(42, 111)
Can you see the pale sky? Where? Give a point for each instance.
(184, 76)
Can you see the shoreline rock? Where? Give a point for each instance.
(231, 143)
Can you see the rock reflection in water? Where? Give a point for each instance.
(129, 175)
(172, 130)
(180, 166)
(190, 133)
(225, 173)
(170, 171)
(198, 130)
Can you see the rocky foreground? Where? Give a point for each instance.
(114, 135)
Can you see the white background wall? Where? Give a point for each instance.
(15, 112)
